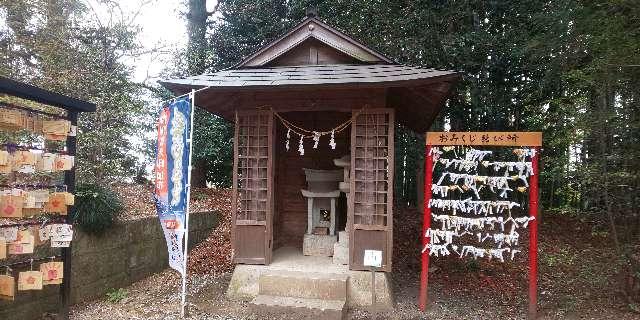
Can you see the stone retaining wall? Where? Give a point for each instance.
(128, 252)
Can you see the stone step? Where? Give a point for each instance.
(299, 308)
(309, 285)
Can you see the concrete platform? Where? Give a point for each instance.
(245, 282)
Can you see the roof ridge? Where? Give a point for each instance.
(358, 44)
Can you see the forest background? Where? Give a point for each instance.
(568, 68)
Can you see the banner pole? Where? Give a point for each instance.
(184, 312)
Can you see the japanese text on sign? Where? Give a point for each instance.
(485, 138)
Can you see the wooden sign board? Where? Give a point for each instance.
(516, 139)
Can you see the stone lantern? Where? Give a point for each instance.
(321, 193)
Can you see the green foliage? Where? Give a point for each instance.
(499, 47)
(62, 46)
(409, 160)
(246, 25)
(96, 208)
(117, 295)
(213, 147)
(531, 65)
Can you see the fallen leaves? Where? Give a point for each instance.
(212, 255)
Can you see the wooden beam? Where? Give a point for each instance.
(427, 96)
(29, 92)
(438, 87)
(320, 94)
(413, 110)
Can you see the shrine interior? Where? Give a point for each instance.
(291, 206)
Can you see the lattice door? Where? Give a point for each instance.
(253, 187)
(371, 209)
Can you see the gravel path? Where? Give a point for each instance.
(157, 297)
(577, 279)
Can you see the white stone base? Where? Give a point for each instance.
(343, 238)
(340, 254)
(341, 249)
(318, 245)
(244, 283)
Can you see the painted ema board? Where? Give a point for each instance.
(373, 258)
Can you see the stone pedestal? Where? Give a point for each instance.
(318, 245)
(317, 203)
(321, 197)
(341, 249)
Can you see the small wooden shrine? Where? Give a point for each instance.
(316, 78)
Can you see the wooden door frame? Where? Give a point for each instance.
(387, 265)
(268, 223)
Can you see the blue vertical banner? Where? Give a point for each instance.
(171, 177)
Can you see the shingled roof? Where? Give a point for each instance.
(312, 57)
(309, 75)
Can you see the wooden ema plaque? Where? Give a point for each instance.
(24, 245)
(11, 206)
(514, 139)
(29, 280)
(3, 249)
(51, 273)
(57, 204)
(7, 287)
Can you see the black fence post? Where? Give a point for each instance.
(70, 182)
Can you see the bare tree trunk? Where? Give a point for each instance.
(196, 64)
(197, 31)
(199, 174)
(604, 115)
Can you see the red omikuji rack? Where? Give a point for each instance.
(502, 139)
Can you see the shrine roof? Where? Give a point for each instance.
(377, 75)
(312, 59)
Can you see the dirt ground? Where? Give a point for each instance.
(577, 279)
